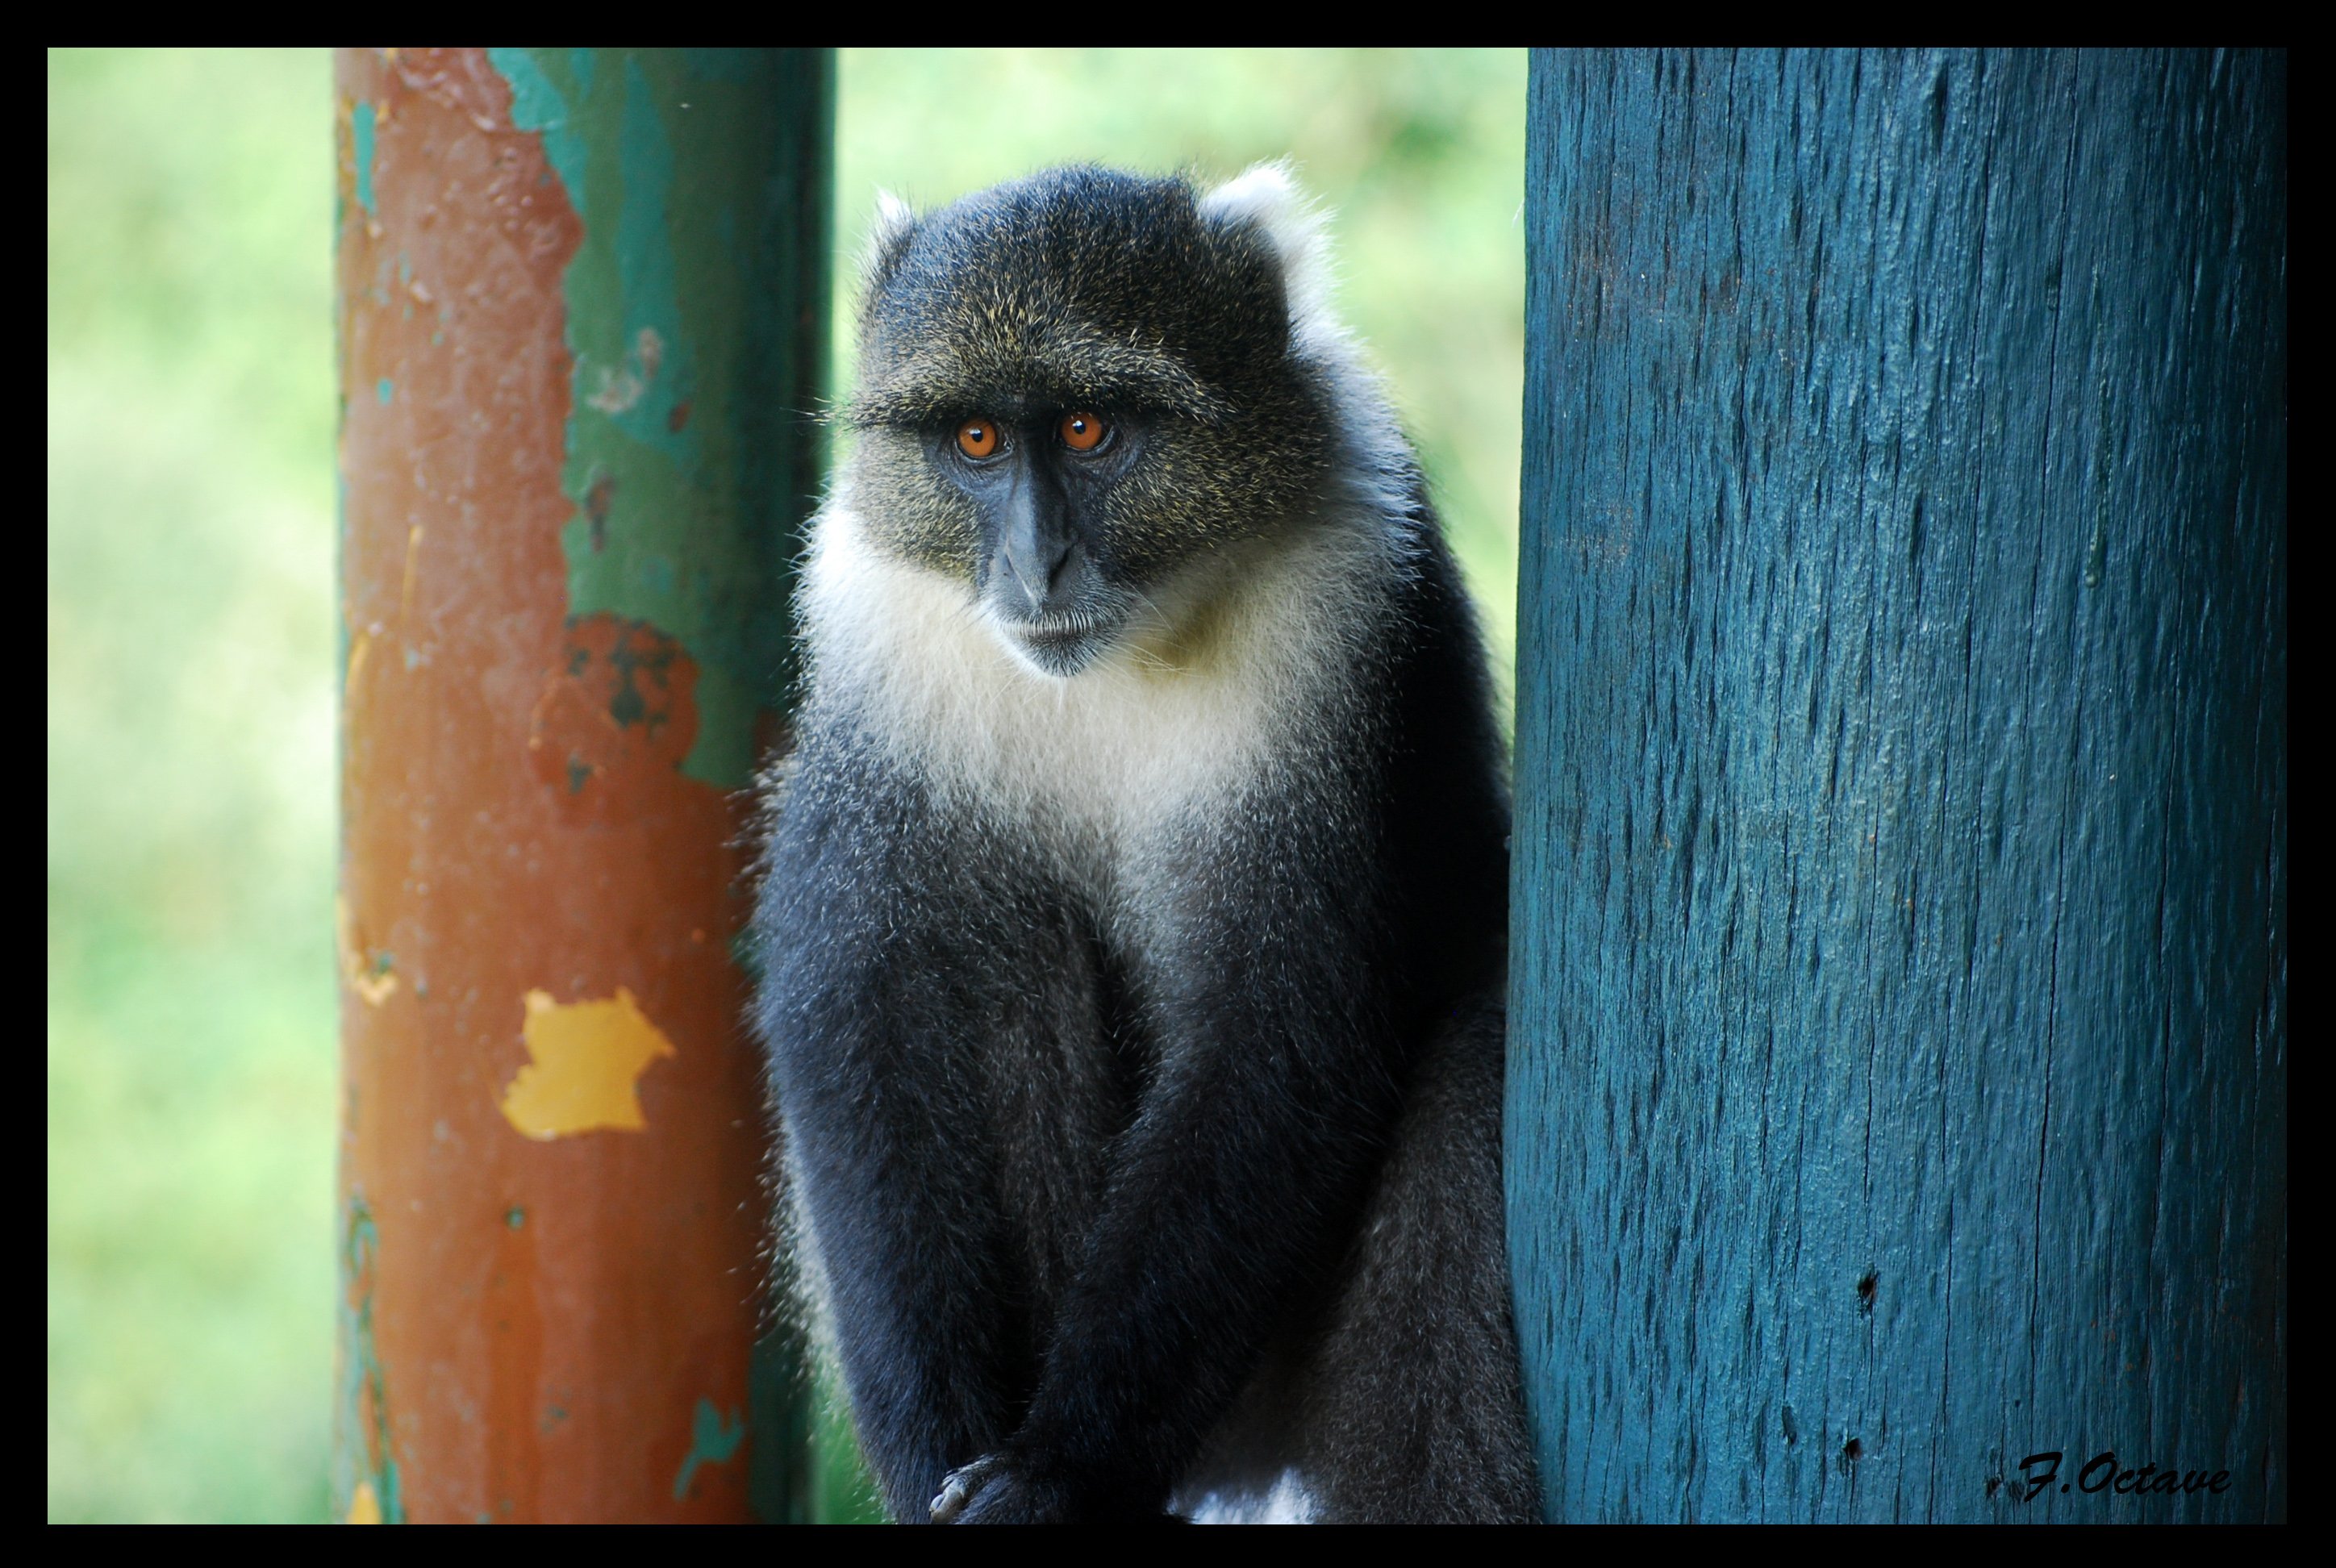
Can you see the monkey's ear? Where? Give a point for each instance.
(1267, 197)
(888, 241)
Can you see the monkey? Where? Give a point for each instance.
(1133, 915)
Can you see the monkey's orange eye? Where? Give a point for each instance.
(1081, 431)
(977, 438)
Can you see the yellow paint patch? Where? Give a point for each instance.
(357, 651)
(589, 1058)
(369, 978)
(405, 594)
(365, 1508)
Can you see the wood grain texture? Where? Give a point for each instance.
(1899, 1061)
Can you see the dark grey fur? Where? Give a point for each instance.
(1145, 1160)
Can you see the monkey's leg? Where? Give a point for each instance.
(1411, 1397)
(916, 1282)
(1230, 1194)
(869, 1042)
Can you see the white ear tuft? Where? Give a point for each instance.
(894, 222)
(888, 233)
(1267, 196)
(1262, 191)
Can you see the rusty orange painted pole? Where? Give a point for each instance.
(583, 300)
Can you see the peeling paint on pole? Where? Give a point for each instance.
(668, 145)
(581, 306)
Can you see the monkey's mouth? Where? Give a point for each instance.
(1060, 646)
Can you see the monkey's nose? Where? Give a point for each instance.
(1036, 542)
(1038, 569)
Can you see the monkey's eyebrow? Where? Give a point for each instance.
(1065, 369)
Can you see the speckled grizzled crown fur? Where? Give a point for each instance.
(1090, 287)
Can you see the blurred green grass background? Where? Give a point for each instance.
(192, 1077)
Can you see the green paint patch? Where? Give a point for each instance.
(515, 1216)
(713, 1441)
(364, 1468)
(361, 129)
(634, 658)
(383, 390)
(678, 331)
(537, 104)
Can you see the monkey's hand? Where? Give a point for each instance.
(961, 1486)
(999, 1489)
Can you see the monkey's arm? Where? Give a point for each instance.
(1278, 1076)
(896, 1186)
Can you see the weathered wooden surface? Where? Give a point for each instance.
(583, 301)
(1900, 1033)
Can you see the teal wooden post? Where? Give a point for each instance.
(1900, 1026)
